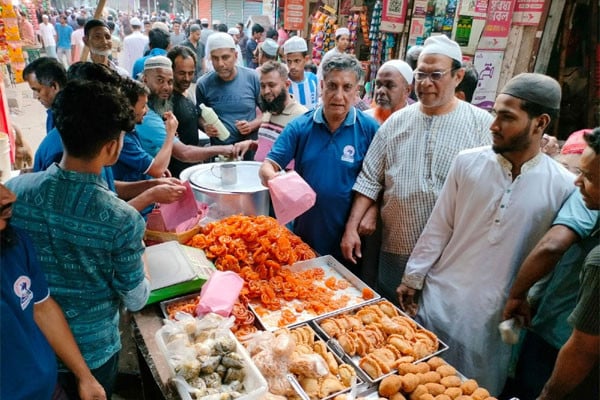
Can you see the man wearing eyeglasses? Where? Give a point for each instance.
(495, 206)
(409, 159)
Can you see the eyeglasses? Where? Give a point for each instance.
(433, 76)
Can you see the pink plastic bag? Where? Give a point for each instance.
(291, 196)
(219, 293)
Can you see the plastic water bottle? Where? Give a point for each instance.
(211, 118)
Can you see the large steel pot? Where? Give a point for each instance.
(248, 196)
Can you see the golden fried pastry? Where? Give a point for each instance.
(279, 385)
(330, 327)
(346, 372)
(395, 351)
(409, 382)
(453, 392)
(371, 367)
(403, 345)
(405, 368)
(319, 347)
(330, 385)
(397, 396)
(469, 386)
(347, 343)
(367, 315)
(436, 362)
(390, 385)
(303, 349)
(435, 388)
(442, 397)
(418, 392)
(426, 396)
(332, 363)
(464, 397)
(409, 321)
(388, 308)
(480, 394)
(422, 367)
(354, 323)
(421, 349)
(310, 365)
(310, 386)
(429, 377)
(451, 381)
(404, 359)
(446, 370)
(490, 398)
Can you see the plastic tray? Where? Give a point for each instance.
(354, 360)
(332, 268)
(255, 385)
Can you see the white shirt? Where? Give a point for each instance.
(47, 32)
(133, 48)
(481, 229)
(77, 41)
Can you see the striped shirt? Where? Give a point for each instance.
(409, 159)
(307, 91)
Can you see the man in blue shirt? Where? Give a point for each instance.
(158, 41)
(63, 45)
(88, 241)
(328, 146)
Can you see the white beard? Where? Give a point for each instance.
(103, 53)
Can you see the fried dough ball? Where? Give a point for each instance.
(418, 392)
(423, 368)
(403, 359)
(435, 388)
(453, 392)
(464, 397)
(409, 382)
(480, 394)
(451, 381)
(390, 385)
(436, 362)
(407, 368)
(442, 397)
(429, 377)
(426, 396)
(469, 386)
(490, 398)
(397, 396)
(446, 370)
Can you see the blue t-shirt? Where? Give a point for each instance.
(64, 36)
(329, 163)
(233, 100)
(50, 151)
(29, 368)
(306, 92)
(138, 65)
(152, 132)
(49, 120)
(133, 162)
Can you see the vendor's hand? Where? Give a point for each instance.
(211, 130)
(168, 181)
(368, 223)
(90, 389)
(406, 299)
(515, 308)
(244, 127)
(171, 123)
(167, 193)
(350, 245)
(241, 148)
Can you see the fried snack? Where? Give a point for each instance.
(490, 398)
(330, 385)
(404, 359)
(421, 349)
(397, 396)
(310, 386)
(279, 385)
(422, 368)
(451, 381)
(368, 315)
(480, 394)
(330, 327)
(469, 386)
(418, 392)
(310, 365)
(331, 362)
(453, 392)
(436, 362)
(346, 372)
(435, 388)
(446, 370)
(371, 367)
(405, 368)
(442, 397)
(464, 397)
(429, 377)
(390, 385)
(347, 343)
(426, 396)
(409, 382)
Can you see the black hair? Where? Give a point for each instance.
(91, 24)
(158, 39)
(111, 26)
(222, 28)
(593, 140)
(272, 33)
(47, 71)
(257, 28)
(90, 114)
(133, 90)
(456, 65)
(469, 83)
(534, 110)
(88, 71)
(181, 51)
(81, 22)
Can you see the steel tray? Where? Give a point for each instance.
(332, 268)
(354, 360)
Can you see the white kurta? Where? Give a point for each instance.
(482, 227)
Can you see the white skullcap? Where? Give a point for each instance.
(135, 21)
(160, 25)
(342, 31)
(442, 45)
(220, 40)
(216, 22)
(204, 21)
(157, 62)
(269, 47)
(402, 67)
(295, 44)
(233, 31)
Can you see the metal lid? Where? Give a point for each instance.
(248, 181)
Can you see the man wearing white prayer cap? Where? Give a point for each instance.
(393, 84)
(235, 34)
(418, 143)
(342, 42)
(232, 91)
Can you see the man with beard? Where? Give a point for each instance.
(98, 39)
(409, 159)
(278, 107)
(158, 76)
(231, 91)
(184, 65)
(393, 85)
(496, 204)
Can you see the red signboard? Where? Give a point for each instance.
(497, 25)
(528, 12)
(293, 14)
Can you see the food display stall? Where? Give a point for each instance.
(304, 327)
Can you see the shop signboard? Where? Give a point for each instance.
(497, 26)
(528, 12)
(393, 15)
(293, 14)
(488, 64)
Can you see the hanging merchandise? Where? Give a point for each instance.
(365, 26)
(390, 44)
(353, 21)
(12, 60)
(329, 35)
(374, 37)
(322, 33)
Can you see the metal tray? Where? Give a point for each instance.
(332, 268)
(165, 304)
(354, 360)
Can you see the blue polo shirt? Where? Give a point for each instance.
(330, 163)
(138, 65)
(49, 120)
(134, 161)
(50, 151)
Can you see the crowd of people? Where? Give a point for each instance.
(463, 218)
